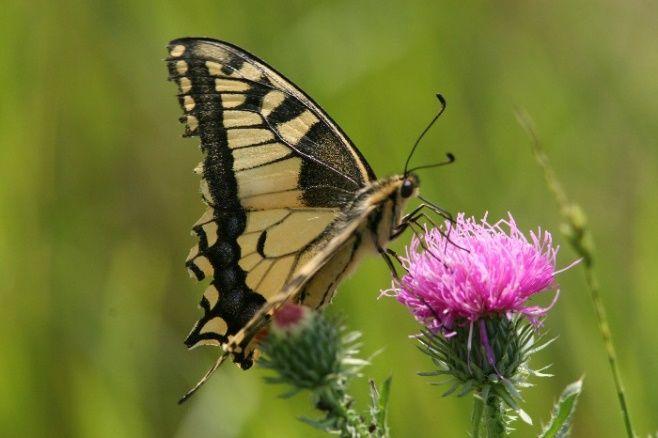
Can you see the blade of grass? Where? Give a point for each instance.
(579, 236)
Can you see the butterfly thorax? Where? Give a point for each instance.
(384, 198)
(380, 205)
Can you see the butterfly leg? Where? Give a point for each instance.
(438, 210)
(413, 216)
(395, 255)
(417, 214)
(386, 255)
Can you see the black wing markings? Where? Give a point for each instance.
(203, 103)
(298, 96)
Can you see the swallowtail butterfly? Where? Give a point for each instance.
(292, 204)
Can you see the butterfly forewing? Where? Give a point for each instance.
(276, 174)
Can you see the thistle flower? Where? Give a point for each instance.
(474, 269)
(469, 284)
(308, 351)
(291, 319)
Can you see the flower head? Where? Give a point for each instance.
(291, 318)
(474, 269)
(307, 349)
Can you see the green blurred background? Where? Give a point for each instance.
(97, 197)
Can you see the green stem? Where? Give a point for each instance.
(604, 329)
(493, 417)
(581, 240)
(476, 418)
(487, 420)
(335, 402)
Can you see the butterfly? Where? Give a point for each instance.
(292, 205)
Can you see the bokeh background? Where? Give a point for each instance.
(97, 197)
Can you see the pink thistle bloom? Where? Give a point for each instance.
(291, 318)
(482, 270)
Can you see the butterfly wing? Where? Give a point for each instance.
(276, 173)
(312, 285)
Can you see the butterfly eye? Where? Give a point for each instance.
(407, 188)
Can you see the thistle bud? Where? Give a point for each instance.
(307, 350)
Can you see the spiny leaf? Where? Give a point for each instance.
(379, 408)
(540, 347)
(562, 413)
(452, 389)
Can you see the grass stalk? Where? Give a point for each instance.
(577, 232)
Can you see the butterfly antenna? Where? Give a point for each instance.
(205, 378)
(450, 158)
(442, 101)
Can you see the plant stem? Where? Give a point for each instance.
(336, 404)
(487, 420)
(476, 418)
(604, 328)
(580, 238)
(493, 417)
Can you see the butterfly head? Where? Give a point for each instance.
(409, 186)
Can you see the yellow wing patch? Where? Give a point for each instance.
(277, 172)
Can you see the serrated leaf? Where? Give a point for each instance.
(562, 413)
(355, 361)
(379, 410)
(433, 373)
(351, 337)
(324, 425)
(524, 416)
(507, 398)
(468, 387)
(291, 393)
(509, 386)
(450, 390)
(539, 347)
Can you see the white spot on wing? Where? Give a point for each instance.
(177, 50)
(204, 265)
(249, 71)
(245, 137)
(192, 123)
(294, 130)
(232, 100)
(185, 85)
(271, 101)
(214, 68)
(181, 67)
(230, 85)
(215, 325)
(232, 119)
(212, 295)
(210, 229)
(188, 103)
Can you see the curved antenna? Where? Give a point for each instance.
(450, 158)
(442, 101)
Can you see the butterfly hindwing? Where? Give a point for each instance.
(276, 173)
(314, 283)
